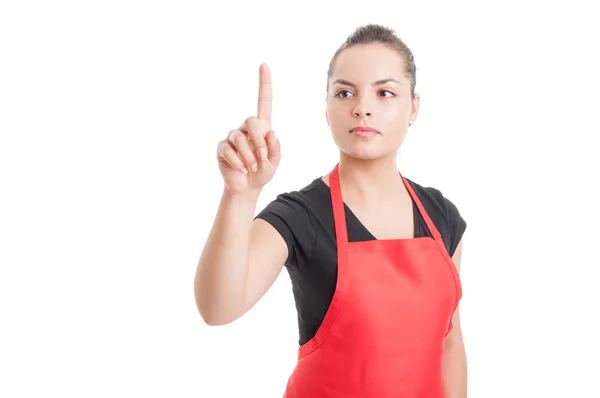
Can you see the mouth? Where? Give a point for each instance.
(361, 131)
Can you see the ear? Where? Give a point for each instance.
(416, 103)
(327, 118)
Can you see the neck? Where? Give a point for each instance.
(369, 180)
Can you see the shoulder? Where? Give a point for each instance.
(300, 202)
(435, 198)
(294, 215)
(445, 214)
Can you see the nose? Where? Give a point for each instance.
(361, 112)
(362, 109)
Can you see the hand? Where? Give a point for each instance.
(249, 156)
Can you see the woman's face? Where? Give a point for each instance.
(368, 89)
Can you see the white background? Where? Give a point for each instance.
(110, 113)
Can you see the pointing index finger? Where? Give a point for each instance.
(265, 93)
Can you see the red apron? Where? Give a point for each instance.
(383, 334)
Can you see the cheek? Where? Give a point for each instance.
(338, 119)
(394, 114)
(335, 111)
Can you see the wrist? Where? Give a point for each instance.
(247, 195)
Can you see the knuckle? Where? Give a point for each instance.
(225, 147)
(224, 143)
(222, 147)
(232, 134)
(228, 150)
(251, 120)
(239, 139)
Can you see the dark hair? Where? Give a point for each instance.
(373, 33)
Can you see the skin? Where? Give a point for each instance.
(359, 95)
(368, 88)
(243, 257)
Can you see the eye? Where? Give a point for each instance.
(387, 91)
(339, 94)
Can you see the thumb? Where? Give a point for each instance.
(273, 147)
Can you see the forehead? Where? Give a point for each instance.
(370, 62)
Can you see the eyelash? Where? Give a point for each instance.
(341, 91)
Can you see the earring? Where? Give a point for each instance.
(410, 123)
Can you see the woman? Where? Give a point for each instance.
(373, 256)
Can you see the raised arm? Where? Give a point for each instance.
(242, 258)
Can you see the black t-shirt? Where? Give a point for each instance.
(304, 219)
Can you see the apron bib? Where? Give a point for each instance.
(383, 334)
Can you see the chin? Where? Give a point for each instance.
(365, 152)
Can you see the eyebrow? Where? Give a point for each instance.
(376, 83)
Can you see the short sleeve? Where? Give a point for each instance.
(288, 214)
(456, 225)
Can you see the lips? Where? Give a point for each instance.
(362, 131)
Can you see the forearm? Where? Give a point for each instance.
(223, 266)
(454, 367)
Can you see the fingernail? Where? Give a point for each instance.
(262, 152)
(253, 167)
(245, 170)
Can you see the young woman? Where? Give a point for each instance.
(373, 256)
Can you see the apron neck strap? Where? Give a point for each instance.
(434, 231)
(339, 215)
